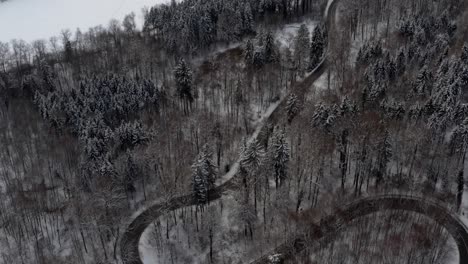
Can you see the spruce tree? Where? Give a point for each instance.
(248, 20)
(183, 79)
(292, 107)
(280, 155)
(269, 50)
(206, 30)
(401, 62)
(464, 54)
(423, 83)
(325, 116)
(317, 47)
(251, 156)
(249, 52)
(203, 175)
(301, 45)
(459, 138)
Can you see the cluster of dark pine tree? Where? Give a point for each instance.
(100, 113)
(264, 52)
(424, 65)
(193, 25)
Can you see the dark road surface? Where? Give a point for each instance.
(434, 210)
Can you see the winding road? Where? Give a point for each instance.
(129, 243)
(365, 206)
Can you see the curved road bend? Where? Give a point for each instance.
(434, 210)
(129, 243)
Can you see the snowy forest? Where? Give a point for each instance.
(240, 131)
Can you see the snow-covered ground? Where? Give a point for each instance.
(286, 34)
(34, 19)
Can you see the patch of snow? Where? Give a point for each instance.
(286, 34)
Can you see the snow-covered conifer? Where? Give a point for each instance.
(203, 174)
(317, 47)
(292, 107)
(280, 156)
(301, 46)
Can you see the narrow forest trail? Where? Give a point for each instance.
(129, 244)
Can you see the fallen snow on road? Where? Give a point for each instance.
(33, 19)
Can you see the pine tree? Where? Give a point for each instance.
(249, 52)
(269, 51)
(200, 186)
(324, 116)
(347, 107)
(423, 83)
(401, 62)
(413, 52)
(420, 36)
(206, 30)
(280, 156)
(393, 109)
(464, 54)
(301, 45)
(248, 20)
(130, 135)
(292, 107)
(203, 175)
(406, 27)
(448, 90)
(317, 47)
(459, 138)
(183, 79)
(251, 156)
(390, 67)
(376, 50)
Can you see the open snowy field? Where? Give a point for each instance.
(33, 19)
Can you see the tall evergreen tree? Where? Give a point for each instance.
(280, 155)
(464, 54)
(249, 52)
(252, 156)
(301, 46)
(401, 62)
(206, 30)
(292, 107)
(248, 20)
(424, 82)
(183, 79)
(269, 50)
(317, 47)
(385, 152)
(203, 175)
